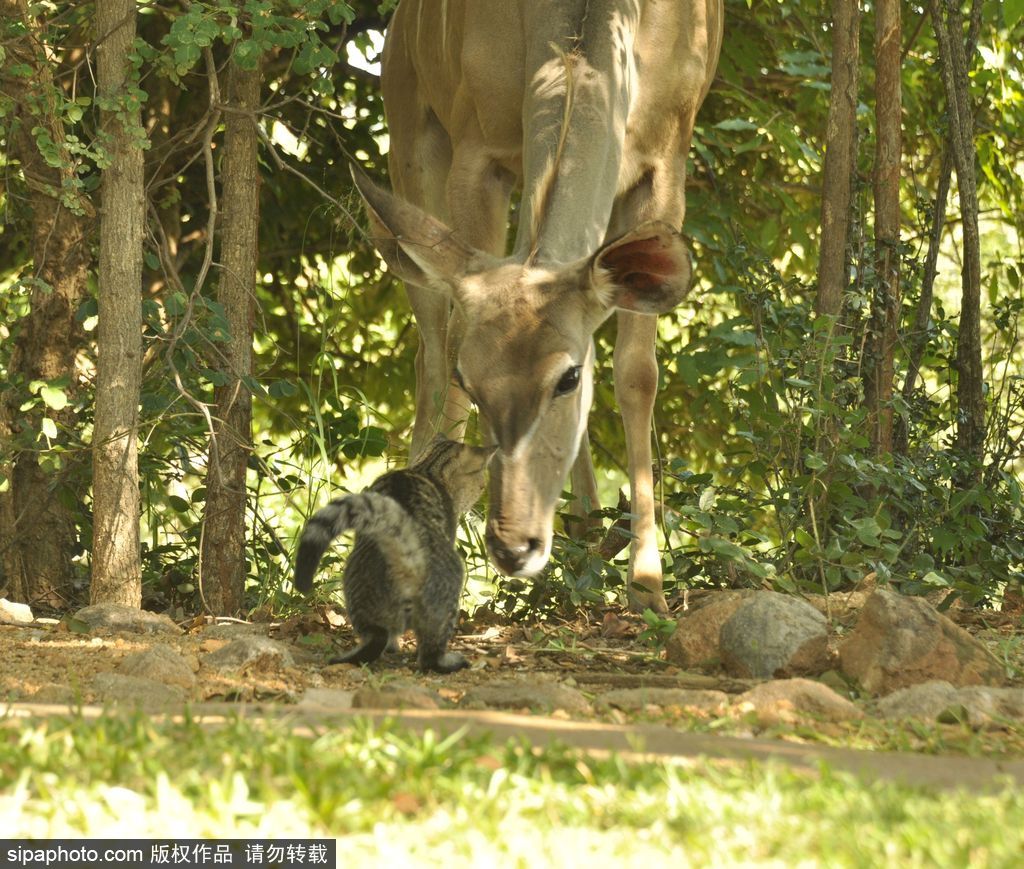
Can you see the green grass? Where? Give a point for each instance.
(392, 795)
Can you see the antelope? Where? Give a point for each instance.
(588, 107)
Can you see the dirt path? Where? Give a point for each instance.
(638, 741)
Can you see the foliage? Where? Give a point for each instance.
(766, 474)
(463, 799)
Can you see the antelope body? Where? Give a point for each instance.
(588, 107)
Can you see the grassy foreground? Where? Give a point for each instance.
(392, 795)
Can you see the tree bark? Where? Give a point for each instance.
(38, 536)
(840, 157)
(885, 305)
(223, 563)
(116, 570)
(970, 431)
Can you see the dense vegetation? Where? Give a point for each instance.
(769, 471)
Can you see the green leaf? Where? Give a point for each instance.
(178, 504)
(49, 427)
(1013, 11)
(55, 398)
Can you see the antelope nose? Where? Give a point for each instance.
(511, 558)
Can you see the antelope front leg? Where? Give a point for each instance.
(584, 490)
(636, 384)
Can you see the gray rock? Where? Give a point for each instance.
(520, 694)
(144, 694)
(12, 613)
(60, 695)
(773, 635)
(901, 641)
(694, 643)
(325, 699)
(925, 701)
(790, 701)
(233, 630)
(638, 699)
(938, 700)
(161, 664)
(395, 696)
(117, 617)
(250, 653)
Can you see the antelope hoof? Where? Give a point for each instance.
(645, 593)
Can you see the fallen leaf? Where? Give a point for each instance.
(615, 628)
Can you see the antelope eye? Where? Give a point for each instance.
(569, 381)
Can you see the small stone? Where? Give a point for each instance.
(325, 699)
(520, 694)
(791, 701)
(161, 664)
(250, 653)
(694, 643)
(12, 613)
(58, 695)
(232, 631)
(979, 705)
(773, 635)
(118, 617)
(901, 641)
(638, 699)
(145, 694)
(395, 696)
(925, 701)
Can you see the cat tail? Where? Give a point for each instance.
(371, 513)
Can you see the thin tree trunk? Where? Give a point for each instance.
(918, 338)
(223, 550)
(970, 432)
(840, 156)
(885, 305)
(37, 531)
(116, 571)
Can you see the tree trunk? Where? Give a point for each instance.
(223, 549)
(840, 157)
(37, 531)
(116, 571)
(885, 305)
(970, 432)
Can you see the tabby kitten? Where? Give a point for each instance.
(404, 569)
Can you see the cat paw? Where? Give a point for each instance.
(449, 662)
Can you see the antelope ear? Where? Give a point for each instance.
(647, 270)
(417, 247)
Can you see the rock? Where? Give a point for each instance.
(118, 617)
(12, 613)
(233, 630)
(145, 694)
(694, 643)
(987, 706)
(790, 701)
(250, 653)
(59, 695)
(519, 694)
(161, 664)
(325, 699)
(773, 635)
(396, 696)
(638, 699)
(841, 607)
(900, 641)
(925, 701)
(938, 700)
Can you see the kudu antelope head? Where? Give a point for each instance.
(526, 357)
